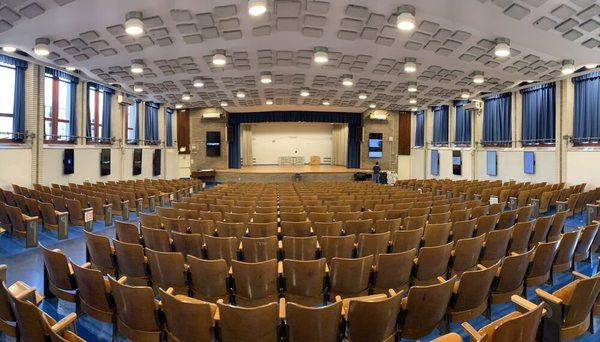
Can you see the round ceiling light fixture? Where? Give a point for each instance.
(347, 81)
(219, 58)
(304, 93)
(269, 102)
(198, 82)
(326, 103)
(412, 87)
(138, 87)
(186, 96)
(133, 23)
(137, 66)
(478, 77)
(410, 64)
(240, 94)
(465, 94)
(414, 109)
(257, 7)
(412, 100)
(568, 67)
(224, 104)
(502, 48)
(9, 48)
(41, 47)
(70, 68)
(362, 96)
(178, 106)
(320, 56)
(591, 66)
(266, 78)
(372, 105)
(406, 18)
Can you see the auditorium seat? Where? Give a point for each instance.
(583, 250)
(18, 290)
(221, 248)
(256, 283)
(167, 270)
(150, 221)
(264, 217)
(299, 248)
(259, 249)
(373, 319)
(59, 280)
(557, 227)
(323, 321)
(261, 323)
(187, 244)
(132, 262)
(357, 227)
(563, 260)
(101, 254)
(521, 235)
(209, 279)
(436, 234)
(304, 281)
(404, 240)
(465, 255)
(540, 270)
(19, 221)
(349, 277)
(156, 239)
(495, 246)
(540, 230)
(393, 271)
(202, 227)
(471, 294)
(93, 294)
(174, 225)
(431, 263)
(462, 229)
(321, 229)
(49, 215)
(187, 319)
(127, 232)
(414, 222)
(295, 228)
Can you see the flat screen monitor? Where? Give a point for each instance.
(69, 161)
(529, 162)
(456, 163)
(435, 162)
(375, 145)
(137, 161)
(156, 162)
(105, 162)
(213, 144)
(492, 163)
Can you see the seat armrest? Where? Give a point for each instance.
(64, 323)
(474, 334)
(280, 267)
(122, 280)
(282, 308)
(547, 297)
(579, 275)
(522, 304)
(87, 265)
(3, 270)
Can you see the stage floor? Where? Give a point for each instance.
(271, 169)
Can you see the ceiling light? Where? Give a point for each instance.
(529, 81)
(269, 102)
(138, 87)
(224, 104)
(70, 68)
(133, 23)
(41, 47)
(9, 48)
(410, 64)
(347, 80)
(412, 87)
(219, 58)
(406, 18)
(502, 48)
(412, 100)
(465, 94)
(591, 66)
(178, 106)
(414, 109)
(137, 66)
(568, 67)
(372, 105)
(478, 77)
(186, 96)
(326, 103)
(304, 92)
(198, 82)
(257, 7)
(240, 95)
(362, 96)
(320, 55)
(265, 78)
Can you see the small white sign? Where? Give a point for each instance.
(88, 216)
(171, 197)
(493, 199)
(191, 191)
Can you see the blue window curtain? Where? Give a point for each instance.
(539, 114)
(440, 125)
(72, 99)
(420, 128)
(18, 129)
(169, 127)
(462, 124)
(106, 115)
(136, 128)
(496, 120)
(354, 121)
(151, 124)
(586, 121)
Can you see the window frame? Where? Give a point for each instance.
(133, 141)
(53, 138)
(96, 127)
(11, 115)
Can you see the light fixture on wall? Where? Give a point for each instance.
(478, 77)
(70, 68)
(372, 105)
(41, 47)
(410, 64)
(591, 66)
(406, 17)
(320, 56)
(568, 67)
(133, 23)
(219, 58)
(326, 103)
(9, 48)
(269, 102)
(198, 82)
(186, 96)
(502, 48)
(178, 106)
(138, 87)
(362, 96)
(257, 7)
(412, 100)
(347, 81)
(304, 92)
(224, 104)
(137, 66)
(240, 94)
(465, 94)
(265, 77)
(412, 87)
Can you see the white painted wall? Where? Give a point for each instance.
(583, 166)
(274, 139)
(16, 167)
(510, 165)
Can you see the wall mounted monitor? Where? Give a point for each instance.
(105, 162)
(69, 161)
(137, 161)
(435, 162)
(529, 162)
(213, 144)
(375, 145)
(156, 162)
(492, 163)
(456, 163)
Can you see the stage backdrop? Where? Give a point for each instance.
(353, 120)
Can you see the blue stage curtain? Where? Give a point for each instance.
(169, 125)
(151, 124)
(440, 125)
(354, 121)
(496, 120)
(586, 121)
(18, 129)
(539, 114)
(420, 128)
(106, 117)
(462, 124)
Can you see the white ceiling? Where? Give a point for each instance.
(452, 39)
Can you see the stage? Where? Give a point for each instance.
(287, 173)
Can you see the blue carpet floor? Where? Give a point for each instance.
(27, 265)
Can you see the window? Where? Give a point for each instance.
(496, 120)
(151, 124)
(96, 114)
(462, 125)
(538, 115)
(57, 109)
(7, 100)
(132, 129)
(169, 126)
(586, 121)
(440, 125)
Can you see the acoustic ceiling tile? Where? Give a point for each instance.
(544, 23)
(442, 34)
(590, 25)
(314, 20)
(563, 12)
(386, 41)
(351, 24)
(566, 25)
(452, 44)
(368, 33)
(591, 43)
(319, 7)
(287, 8)
(375, 20)
(116, 30)
(153, 22)
(517, 11)
(9, 15)
(229, 24)
(357, 11)
(61, 43)
(288, 24)
(133, 48)
(264, 30)
(461, 36)
(187, 28)
(572, 35)
(209, 32)
(428, 26)
(583, 3)
(589, 12)
(32, 10)
(535, 3)
(108, 52)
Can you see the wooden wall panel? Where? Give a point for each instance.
(404, 133)
(183, 130)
